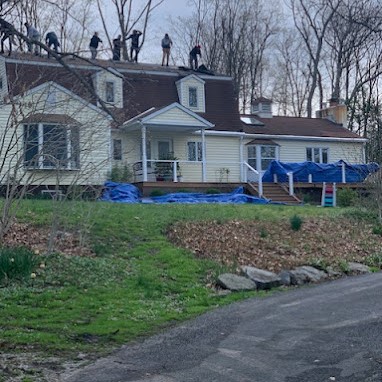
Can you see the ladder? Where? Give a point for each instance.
(329, 192)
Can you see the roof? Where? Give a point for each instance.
(297, 126)
(144, 85)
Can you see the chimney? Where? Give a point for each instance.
(262, 107)
(336, 112)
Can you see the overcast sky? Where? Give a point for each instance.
(160, 25)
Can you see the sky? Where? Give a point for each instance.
(160, 24)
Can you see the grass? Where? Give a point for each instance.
(137, 283)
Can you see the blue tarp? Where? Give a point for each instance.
(128, 193)
(320, 172)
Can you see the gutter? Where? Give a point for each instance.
(284, 137)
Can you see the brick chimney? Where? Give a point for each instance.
(336, 112)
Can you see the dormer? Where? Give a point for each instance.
(262, 107)
(191, 93)
(109, 86)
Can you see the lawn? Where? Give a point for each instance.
(130, 281)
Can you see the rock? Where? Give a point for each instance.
(235, 282)
(358, 268)
(285, 278)
(306, 274)
(262, 278)
(333, 272)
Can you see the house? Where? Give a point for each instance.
(74, 124)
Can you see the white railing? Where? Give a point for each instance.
(260, 180)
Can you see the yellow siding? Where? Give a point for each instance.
(176, 116)
(94, 141)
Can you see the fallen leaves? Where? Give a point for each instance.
(274, 245)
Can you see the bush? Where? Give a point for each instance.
(121, 174)
(157, 193)
(16, 263)
(346, 197)
(295, 222)
(212, 191)
(374, 260)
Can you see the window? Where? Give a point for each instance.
(117, 149)
(192, 97)
(109, 91)
(51, 99)
(51, 146)
(268, 154)
(317, 154)
(195, 150)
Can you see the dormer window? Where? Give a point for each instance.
(191, 93)
(110, 96)
(192, 97)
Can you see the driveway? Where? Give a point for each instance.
(328, 332)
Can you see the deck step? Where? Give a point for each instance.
(275, 192)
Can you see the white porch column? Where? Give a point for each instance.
(144, 153)
(204, 164)
(241, 154)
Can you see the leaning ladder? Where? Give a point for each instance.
(329, 193)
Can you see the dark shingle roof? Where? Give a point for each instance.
(144, 86)
(298, 126)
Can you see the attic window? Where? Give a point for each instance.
(109, 92)
(193, 97)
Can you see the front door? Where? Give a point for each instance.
(164, 149)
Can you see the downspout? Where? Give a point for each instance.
(204, 169)
(241, 154)
(144, 153)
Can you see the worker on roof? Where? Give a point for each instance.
(195, 52)
(34, 38)
(94, 42)
(52, 39)
(134, 44)
(166, 47)
(117, 45)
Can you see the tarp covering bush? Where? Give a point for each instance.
(321, 172)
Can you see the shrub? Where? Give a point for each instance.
(157, 193)
(374, 260)
(377, 230)
(121, 174)
(346, 197)
(212, 191)
(16, 263)
(295, 222)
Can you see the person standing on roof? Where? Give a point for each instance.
(134, 44)
(195, 52)
(166, 47)
(34, 38)
(94, 42)
(52, 39)
(117, 45)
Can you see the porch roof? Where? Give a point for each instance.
(174, 117)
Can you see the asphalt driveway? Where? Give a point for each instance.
(328, 332)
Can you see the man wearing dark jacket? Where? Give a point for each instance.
(194, 57)
(94, 42)
(134, 44)
(52, 39)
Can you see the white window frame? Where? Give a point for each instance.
(198, 151)
(320, 154)
(71, 164)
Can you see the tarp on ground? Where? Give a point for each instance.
(321, 172)
(128, 193)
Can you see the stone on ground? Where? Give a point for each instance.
(285, 278)
(263, 279)
(358, 268)
(235, 283)
(306, 274)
